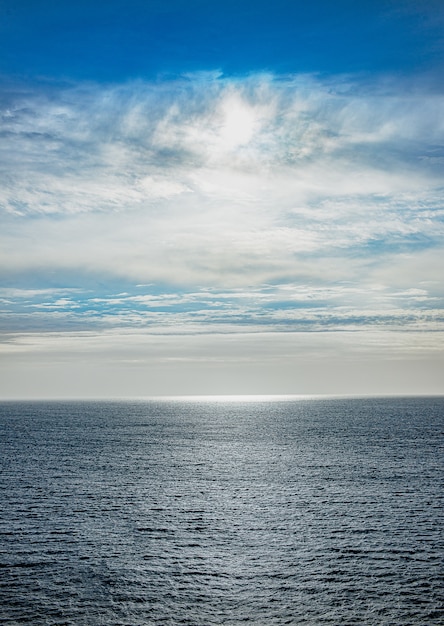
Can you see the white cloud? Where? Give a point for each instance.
(210, 205)
(90, 149)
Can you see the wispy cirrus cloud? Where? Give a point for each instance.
(129, 144)
(211, 174)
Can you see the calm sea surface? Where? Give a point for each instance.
(315, 511)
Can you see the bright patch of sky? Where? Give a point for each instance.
(242, 200)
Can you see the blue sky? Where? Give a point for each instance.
(205, 197)
(117, 40)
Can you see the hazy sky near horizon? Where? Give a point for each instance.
(221, 197)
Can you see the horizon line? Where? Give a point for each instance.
(219, 397)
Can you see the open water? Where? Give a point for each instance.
(199, 512)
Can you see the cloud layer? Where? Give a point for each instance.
(213, 205)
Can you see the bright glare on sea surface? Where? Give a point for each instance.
(239, 398)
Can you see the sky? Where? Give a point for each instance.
(206, 197)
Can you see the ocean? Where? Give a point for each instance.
(203, 511)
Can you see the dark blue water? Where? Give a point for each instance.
(196, 512)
